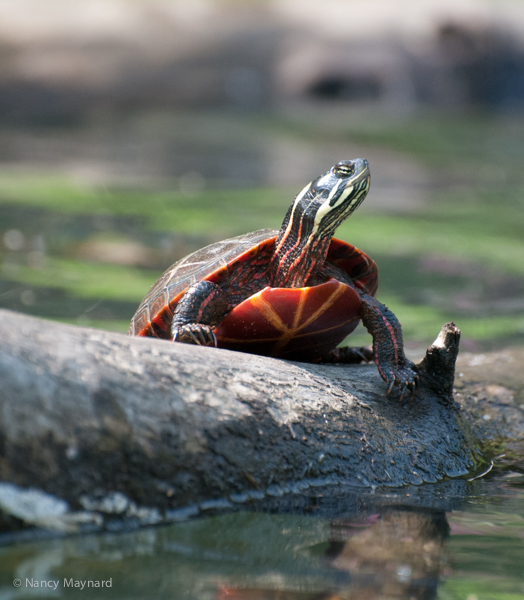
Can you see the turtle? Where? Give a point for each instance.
(295, 293)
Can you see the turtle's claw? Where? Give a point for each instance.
(362, 356)
(196, 334)
(405, 378)
(414, 387)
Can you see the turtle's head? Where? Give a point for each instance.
(332, 197)
(312, 219)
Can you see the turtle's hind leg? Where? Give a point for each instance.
(201, 308)
(349, 355)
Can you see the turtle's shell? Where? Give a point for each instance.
(294, 323)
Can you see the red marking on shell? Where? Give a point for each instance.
(140, 321)
(295, 323)
(159, 304)
(357, 264)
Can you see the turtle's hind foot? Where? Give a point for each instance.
(349, 355)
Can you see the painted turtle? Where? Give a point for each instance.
(294, 293)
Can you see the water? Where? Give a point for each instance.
(462, 541)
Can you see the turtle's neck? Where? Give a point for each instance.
(300, 249)
(303, 242)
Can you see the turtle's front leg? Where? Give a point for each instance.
(393, 366)
(202, 307)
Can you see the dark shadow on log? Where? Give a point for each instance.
(141, 431)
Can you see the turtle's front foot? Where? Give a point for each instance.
(395, 369)
(195, 333)
(203, 306)
(405, 378)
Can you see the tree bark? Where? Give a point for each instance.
(98, 428)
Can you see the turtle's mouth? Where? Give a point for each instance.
(359, 191)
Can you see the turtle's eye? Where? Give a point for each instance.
(345, 168)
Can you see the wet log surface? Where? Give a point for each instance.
(99, 429)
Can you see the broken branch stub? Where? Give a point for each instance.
(437, 368)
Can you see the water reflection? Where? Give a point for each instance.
(336, 545)
(398, 553)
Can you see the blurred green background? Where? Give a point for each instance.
(137, 132)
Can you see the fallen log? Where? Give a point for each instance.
(98, 428)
